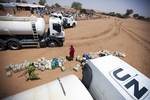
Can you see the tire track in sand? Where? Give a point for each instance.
(141, 38)
(137, 38)
(108, 34)
(94, 36)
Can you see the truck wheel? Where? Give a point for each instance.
(73, 25)
(2, 45)
(13, 44)
(61, 44)
(52, 44)
(48, 31)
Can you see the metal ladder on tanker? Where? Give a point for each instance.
(34, 42)
(35, 35)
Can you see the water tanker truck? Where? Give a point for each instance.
(18, 32)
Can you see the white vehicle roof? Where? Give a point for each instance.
(54, 14)
(29, 5)
(116, 75)
(12, 4)
(14, 18)
(54, 20)
(9, 5)
(68, 88)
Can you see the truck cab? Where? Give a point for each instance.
(69, 21)
(66, 19)
(57, 15)
(110, 78)
(55, 32)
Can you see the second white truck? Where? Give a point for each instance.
(66, 19)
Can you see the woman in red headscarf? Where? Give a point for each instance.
(71, 53)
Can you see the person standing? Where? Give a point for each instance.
(71, 52)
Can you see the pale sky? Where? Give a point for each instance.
(139, 6)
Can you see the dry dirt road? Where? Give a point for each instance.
(126, 35)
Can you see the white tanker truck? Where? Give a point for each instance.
(18, 32)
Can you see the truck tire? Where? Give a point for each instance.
(73, 25)
(61, 44)
(13, 44)
(52, 44)
(2, 45)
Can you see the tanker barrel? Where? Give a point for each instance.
(10, 25)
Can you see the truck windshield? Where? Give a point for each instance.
(57, 27)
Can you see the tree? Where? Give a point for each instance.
(76, 5)
(128, 12)
(148, 19)
(3, 1)
(111, 13)
(141, 17)
(57, 5)
(42, 2)
(136, 15)
(34, 2)
(21, 1)
(119, 15)
(18, 1)
(83, 11)
(24, 1)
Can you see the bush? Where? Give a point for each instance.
(135, 16)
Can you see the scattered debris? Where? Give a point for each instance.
(87, 56)
(31, 72)
(79, 58)
(119, 54)
(115, 53)
(54, 63)
(77, 67)
(41, 64)
(63, 68)
(92, 55)
(101, 53)
(9, 73)
(104, 53)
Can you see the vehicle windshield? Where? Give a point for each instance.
(57, 27)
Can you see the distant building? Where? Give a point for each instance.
(11, 8)
(27, 6)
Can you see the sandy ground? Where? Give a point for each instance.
(126, 35)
